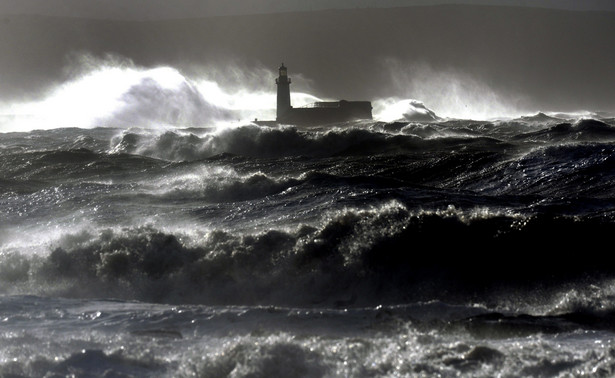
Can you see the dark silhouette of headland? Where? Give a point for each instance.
(317, 113)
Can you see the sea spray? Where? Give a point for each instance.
(450, 247)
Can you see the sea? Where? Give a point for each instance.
(148, 234)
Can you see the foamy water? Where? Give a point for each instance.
(150, 228)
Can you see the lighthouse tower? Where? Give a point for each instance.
(283, 82)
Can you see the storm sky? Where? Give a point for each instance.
(161, 9)
(538, 55)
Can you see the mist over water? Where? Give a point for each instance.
(121, 96)
(115, 93)
(455, 94)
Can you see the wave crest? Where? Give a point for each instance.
(153, 101)
(356, 257)
(266, 142)
(409, 110)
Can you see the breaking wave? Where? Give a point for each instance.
(113, 95)
(390, 110)
(355, 257)
(154, 102)
(257, 141)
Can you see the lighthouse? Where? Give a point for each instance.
(283, 82)
(318, 113)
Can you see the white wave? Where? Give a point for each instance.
(577, 115)
(453, 93)
(392, 109)
(117, 96)
(114, 92)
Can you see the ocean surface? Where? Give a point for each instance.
(421, 246)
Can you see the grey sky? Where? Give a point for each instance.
(471, 56)
(161, 9)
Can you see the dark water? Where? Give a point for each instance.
(453, 247)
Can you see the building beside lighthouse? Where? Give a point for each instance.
(319, 112)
